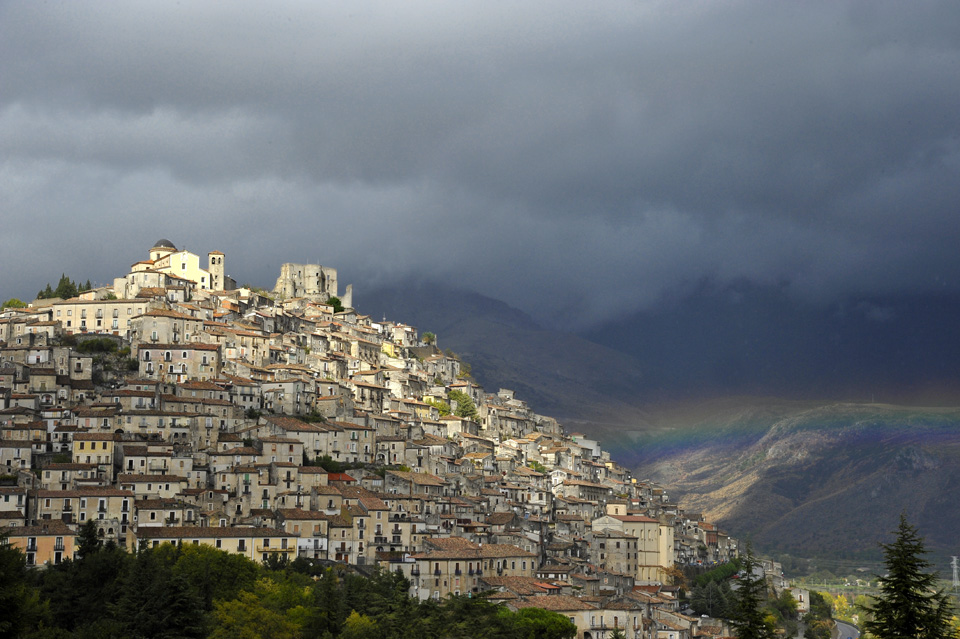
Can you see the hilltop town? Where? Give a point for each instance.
(175, 406)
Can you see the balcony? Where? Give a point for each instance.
(380, 540)
(458, 572)
(436, 572)
(58, 547)
(264, 548)
(415, 571)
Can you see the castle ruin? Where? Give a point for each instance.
(311, 281)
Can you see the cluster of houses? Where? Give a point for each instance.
(175, 407)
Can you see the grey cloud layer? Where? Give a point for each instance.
(577, 160)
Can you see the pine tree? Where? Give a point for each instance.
(909, 605)
(749, 618)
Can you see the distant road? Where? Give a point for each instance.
(845, 630)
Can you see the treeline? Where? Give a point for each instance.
(66, 288)
(193, 592)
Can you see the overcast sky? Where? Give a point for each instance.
(578, 160)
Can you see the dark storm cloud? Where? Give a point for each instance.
(578, 161)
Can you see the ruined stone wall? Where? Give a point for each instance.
(312, 281)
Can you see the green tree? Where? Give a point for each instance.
(65, 288)
(328, 610)
(429, 338)
(13, 302)
(818, 619)
(359, 626)
(712, 599)
(82, 593)
(536, 623)
(213, 574)
(442, 407)
(537, 466)
(909, 604)
(88, 541)
(749, 619)
(465, 406)
(156, 603)
(783, 609)
(247, 618)
(20, 606)
(336, 303)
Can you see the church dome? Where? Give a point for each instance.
(165, 244)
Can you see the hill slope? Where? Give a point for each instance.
(810, 478)
(558, 374)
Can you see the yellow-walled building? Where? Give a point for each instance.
(254, 543)
(48, 543)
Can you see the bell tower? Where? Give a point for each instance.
(215, 268)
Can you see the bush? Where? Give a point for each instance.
(97, 345)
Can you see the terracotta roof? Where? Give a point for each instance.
(555, 603)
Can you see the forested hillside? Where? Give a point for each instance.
(197, 591)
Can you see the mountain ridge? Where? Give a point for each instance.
(788, 472)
